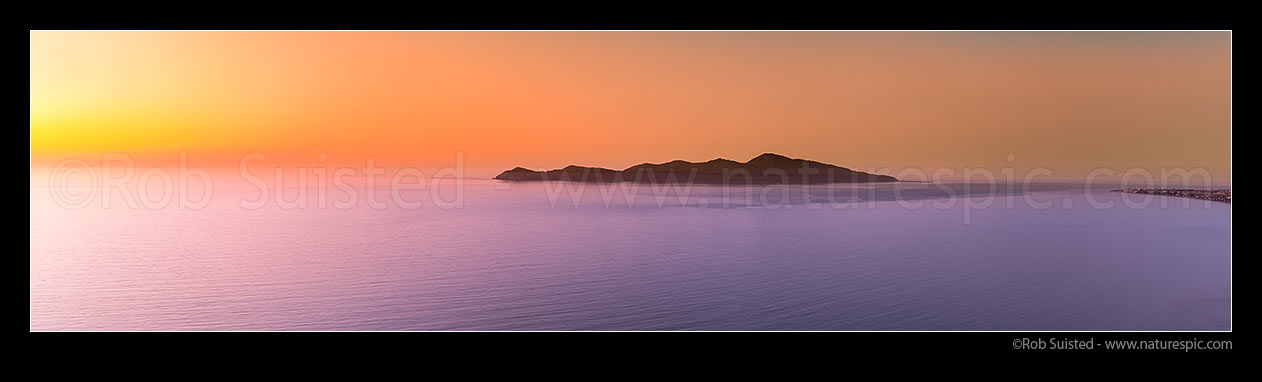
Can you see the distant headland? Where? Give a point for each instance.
(1220, 195)
(764, 169)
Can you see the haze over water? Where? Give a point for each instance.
(154, 109)
(512, 259)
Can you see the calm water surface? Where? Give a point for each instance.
(510, 259)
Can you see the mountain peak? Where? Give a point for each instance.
(770, 160)
(774, 156)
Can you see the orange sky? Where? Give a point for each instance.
(1067, 101)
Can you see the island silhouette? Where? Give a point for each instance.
(767, 168)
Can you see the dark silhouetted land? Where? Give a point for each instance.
(764, 169)
(1223, 195)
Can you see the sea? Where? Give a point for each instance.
(486, 255)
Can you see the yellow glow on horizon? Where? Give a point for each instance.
(1067, 101)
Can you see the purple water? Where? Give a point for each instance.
(510, 259)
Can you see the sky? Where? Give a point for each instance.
(1071, 102)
